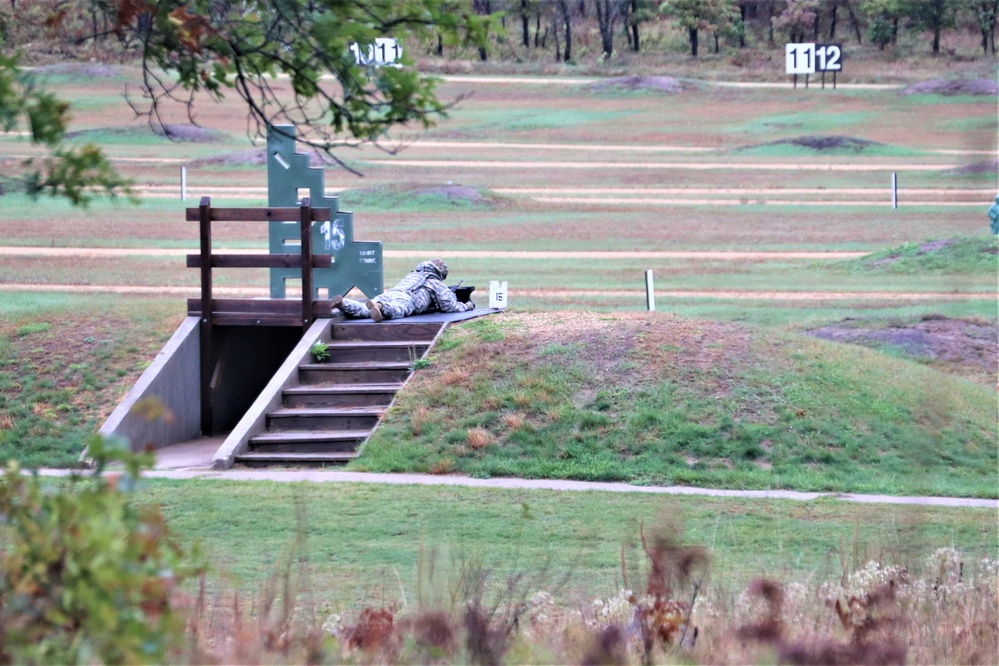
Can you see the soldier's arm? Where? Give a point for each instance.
(445, 299)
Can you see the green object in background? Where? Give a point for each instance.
(355, 263)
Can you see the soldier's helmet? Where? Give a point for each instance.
(435, 267)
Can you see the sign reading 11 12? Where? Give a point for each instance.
(811, 58)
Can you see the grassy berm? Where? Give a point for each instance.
(660, 399)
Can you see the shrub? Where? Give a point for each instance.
(85, 576)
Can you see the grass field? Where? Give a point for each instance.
(719, 387)
(362, 541)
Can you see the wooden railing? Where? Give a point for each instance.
(252, 311)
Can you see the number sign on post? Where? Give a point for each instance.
(807, 58)
(386, 51)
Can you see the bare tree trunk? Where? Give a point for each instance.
(567, 18)
(692, 32)
(634, 26)
(605, 20)
(558, 44)
(832, 21)
(743, 10)
(854, 21)
(440, 45)
(525, 24)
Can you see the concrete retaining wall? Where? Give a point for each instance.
(173, 379)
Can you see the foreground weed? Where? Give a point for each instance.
(85, 574)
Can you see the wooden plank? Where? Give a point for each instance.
(260, 260)
(307, 295)
(205, 224)
(244, 319)
(285, 214)
(322, 308)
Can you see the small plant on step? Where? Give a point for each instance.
(320, 351)
(416, 362)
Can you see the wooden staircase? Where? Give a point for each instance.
(333, 408)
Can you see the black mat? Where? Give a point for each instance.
(431, 317)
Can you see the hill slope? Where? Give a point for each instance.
(653, 398)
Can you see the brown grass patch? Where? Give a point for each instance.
(513, 421)
(479, 438)
(419, 419)
(454, 376)
(442, 466)
(6, 422)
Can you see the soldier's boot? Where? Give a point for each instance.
(375, 310)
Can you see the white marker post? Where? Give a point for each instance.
(894, 189)
(497, 295)
(650, 291)
(183, 183)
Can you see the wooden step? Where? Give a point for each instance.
(291, 458)
(324, 418)
(390, 330)
(343, 395)
(375, 372)
(309, 441)
(383, 351)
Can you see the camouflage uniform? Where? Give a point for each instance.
(422, 290)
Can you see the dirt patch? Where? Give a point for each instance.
(988, 166)
(664, 84)
(968, 347)
(823, 143)
(452, 192)
(190, 133)
(241, 158)
(951, 87)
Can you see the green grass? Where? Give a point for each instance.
(809, 123)
(782, 411)
(415, 199)
(64, 363)
(947, 256)
(362, 542)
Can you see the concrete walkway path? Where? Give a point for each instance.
(193, 460)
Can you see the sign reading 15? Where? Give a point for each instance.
(385, 51)
(811, 58)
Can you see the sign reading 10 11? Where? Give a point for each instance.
(384, 52)
(811, 58)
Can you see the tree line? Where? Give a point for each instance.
(243, 47)
(553, 26)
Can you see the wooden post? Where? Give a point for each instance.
(205, 219)
(306, 221)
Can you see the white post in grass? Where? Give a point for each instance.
(183, 183)
(650, 292)
(894, 189)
